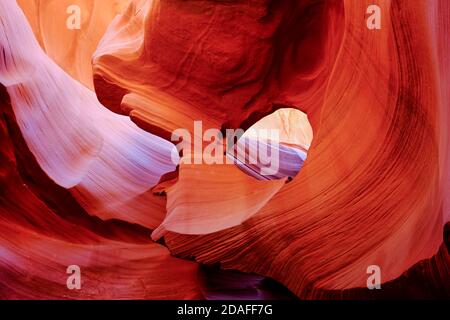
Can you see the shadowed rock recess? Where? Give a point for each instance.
(90, 176)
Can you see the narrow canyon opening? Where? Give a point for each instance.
(274, 147)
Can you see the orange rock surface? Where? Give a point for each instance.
(86, 142)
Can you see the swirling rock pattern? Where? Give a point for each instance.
(87, 176)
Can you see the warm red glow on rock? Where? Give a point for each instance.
(88, 175)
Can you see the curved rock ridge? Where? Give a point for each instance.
(89, 174)
(108, 163)
(71, 49)
(252, 57)
(44, 230)
(372, 189)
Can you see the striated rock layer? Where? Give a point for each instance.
(372, 190)
(87, 170)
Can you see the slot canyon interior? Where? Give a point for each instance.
(90, 174)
